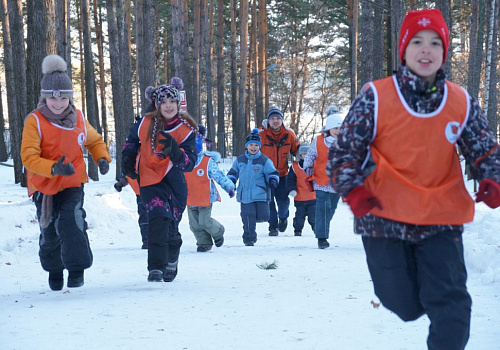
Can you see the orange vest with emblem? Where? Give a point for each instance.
(153, 168)
(321, 162)
(198, 185)
(418, 178)
(56, 141)
(303, 193)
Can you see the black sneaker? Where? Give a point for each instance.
(273, 231)
(323, 243)
(219, 242)
(155, 276)
(298, 233)
(170, 272)
(203, 248)
(75, 279)
(282, 224)
(251, 243)
(144, 245)
(56, 280)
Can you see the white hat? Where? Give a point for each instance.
(333, 120)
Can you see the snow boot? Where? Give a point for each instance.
(273, 231)
(250, 243)
(203, 248)
(170, 272)
(323, 243)
(282, 224)
(298, 233)
(219, 242)
(155, 276)
(75, 279)
(56, 280)
(144, 245)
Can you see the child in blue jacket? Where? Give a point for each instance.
(202, 193)
(257, 176)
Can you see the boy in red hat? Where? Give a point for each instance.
(397, 166)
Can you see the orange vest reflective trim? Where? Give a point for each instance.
(57, 141)
(198, 185)
(152, 168)
(303, 193)
(321, 162)
(421, 183)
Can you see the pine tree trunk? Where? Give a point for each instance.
(196, 99)
(241, 131)
(260, 102)
(234, 82)
(221, 144)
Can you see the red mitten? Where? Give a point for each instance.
(489, 193)
(362, 201)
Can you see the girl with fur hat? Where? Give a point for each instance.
(304, 198)
(256, 176)
(315, 163)
(396, 165)
(51, 151)
(165, 142)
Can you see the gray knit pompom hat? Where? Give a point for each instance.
(55, 81)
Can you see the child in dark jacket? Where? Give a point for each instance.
(166, 139)
(304, 198)
(397, 166)
(257, 176)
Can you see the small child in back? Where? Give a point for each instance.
(257, 176)
(202, 193)
(304, 198)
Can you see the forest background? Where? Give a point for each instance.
(236, 58)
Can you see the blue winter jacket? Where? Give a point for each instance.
(216, 174)
(254, 172)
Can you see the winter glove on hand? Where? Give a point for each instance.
(103, 166)
(309, 171)
(128, 167)
(362, 201)
(489, 193)
(292, 193)
(273, 183)
(120, 183)
(170, 147)
(231, 193)
(61, 169)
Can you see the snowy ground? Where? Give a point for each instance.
(315, 299)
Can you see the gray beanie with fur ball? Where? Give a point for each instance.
(55, 81)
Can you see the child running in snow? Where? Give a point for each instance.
(304, 199)
(257, 176)
(202, 193)
(397, 165)
(315, 164)
(167, 143)
(51, 151)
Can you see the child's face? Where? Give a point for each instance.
(169, 108)
(57, 105)
(424, 54)
(334, 132)
(253, 148)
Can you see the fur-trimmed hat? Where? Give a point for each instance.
(415, 21)
(333, 119)
(274, 112)
(164, 91)
(55, 81)
(253, 137)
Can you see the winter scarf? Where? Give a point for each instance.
(66, 119)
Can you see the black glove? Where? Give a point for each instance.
(170, 147)
(61, 169)
(273, 183)
(128, 167)
(120, 183)
(103, 166)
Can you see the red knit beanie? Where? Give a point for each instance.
(415, 21)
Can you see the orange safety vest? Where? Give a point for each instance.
(303, 193)
(152, 168)
(57, 141)
(418, 178)
(198, 185)
(321, 162)
(134, 184)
